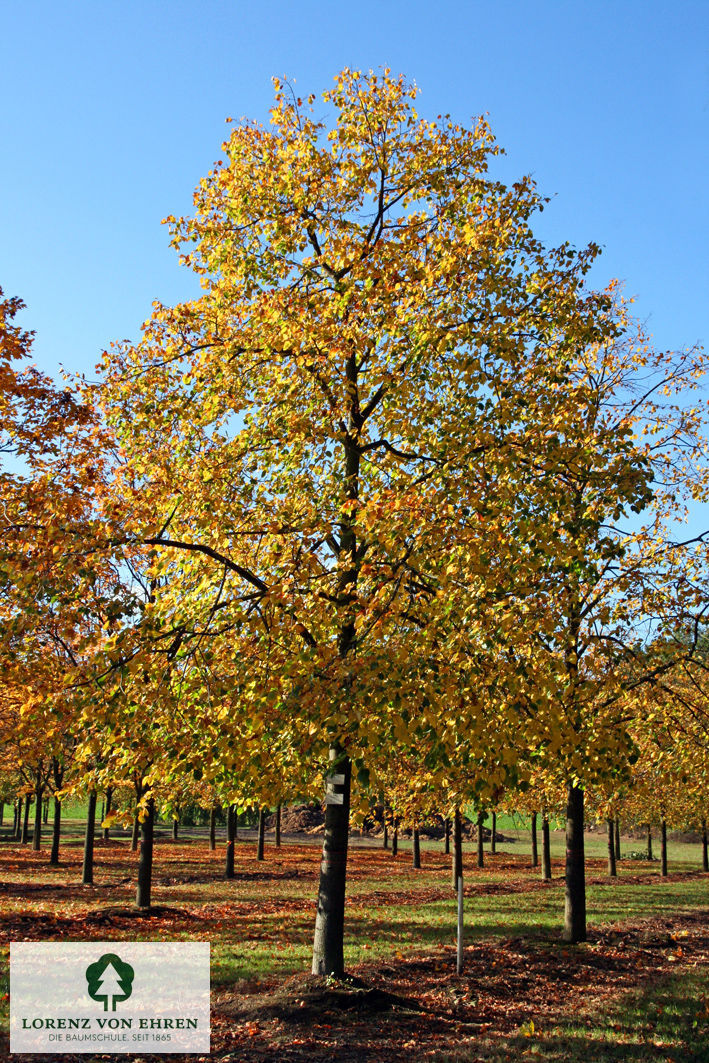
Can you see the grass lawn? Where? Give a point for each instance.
(638, 990)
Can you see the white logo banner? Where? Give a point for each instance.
(109, 996)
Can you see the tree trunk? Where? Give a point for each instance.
(212, 828)
(575, 899)
(705, 846)
(88, 867)
(481, 850)
(230, 839)
(26, 820)
(649, 842)
(385, 842)
(546, 850)
(56, 831)
(493, 832)
(261, 834)
(663, 847)
(45, 812)
(145, 863)
(175, 829)
(457, 862)
(612, 871)
(17, 816)
(535, 853)
(447, 837)
(109, 805)
(328, 943)
(416, 843)
(617, 839)
(278, 826)
(395, 839)
(38, 811)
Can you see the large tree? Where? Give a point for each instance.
(320, 448)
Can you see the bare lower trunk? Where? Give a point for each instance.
(88, 867)
(395, 839)
(546, 850)
(617, 839)
(447, 837)
(481, 850)
(649, 842)
(278, 827)
(611, 851)
(493, 832)
(56, 831)
(109, 806)
(385, 840)
(261, 844)
(145, 863)
(416, 843)
(212, 828)
(328, 943)
(575, 906)
(230, 840)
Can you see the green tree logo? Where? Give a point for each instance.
(110, 980)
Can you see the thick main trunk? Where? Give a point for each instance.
(395, 839)
(328, 943)
(447, 837)
(705, 846)
(480, 839)
(546, 850)
(56, 831)
(109, 805)
(611, 850)
(535, 852)
(175, 829)
(230, 840)
(278, 826)
(663, 848)
(145, 862)
(575, 894)
(617, 839)
(493, 832)
(457, 862)
(385, 840)
(416, 843)
(88, 866)
(261, 845)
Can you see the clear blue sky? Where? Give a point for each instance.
(112, 111)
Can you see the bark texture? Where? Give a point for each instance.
(145, 863)
(328, 943)
(575, 892)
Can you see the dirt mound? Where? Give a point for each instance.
(304, 999)
(299, 819)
